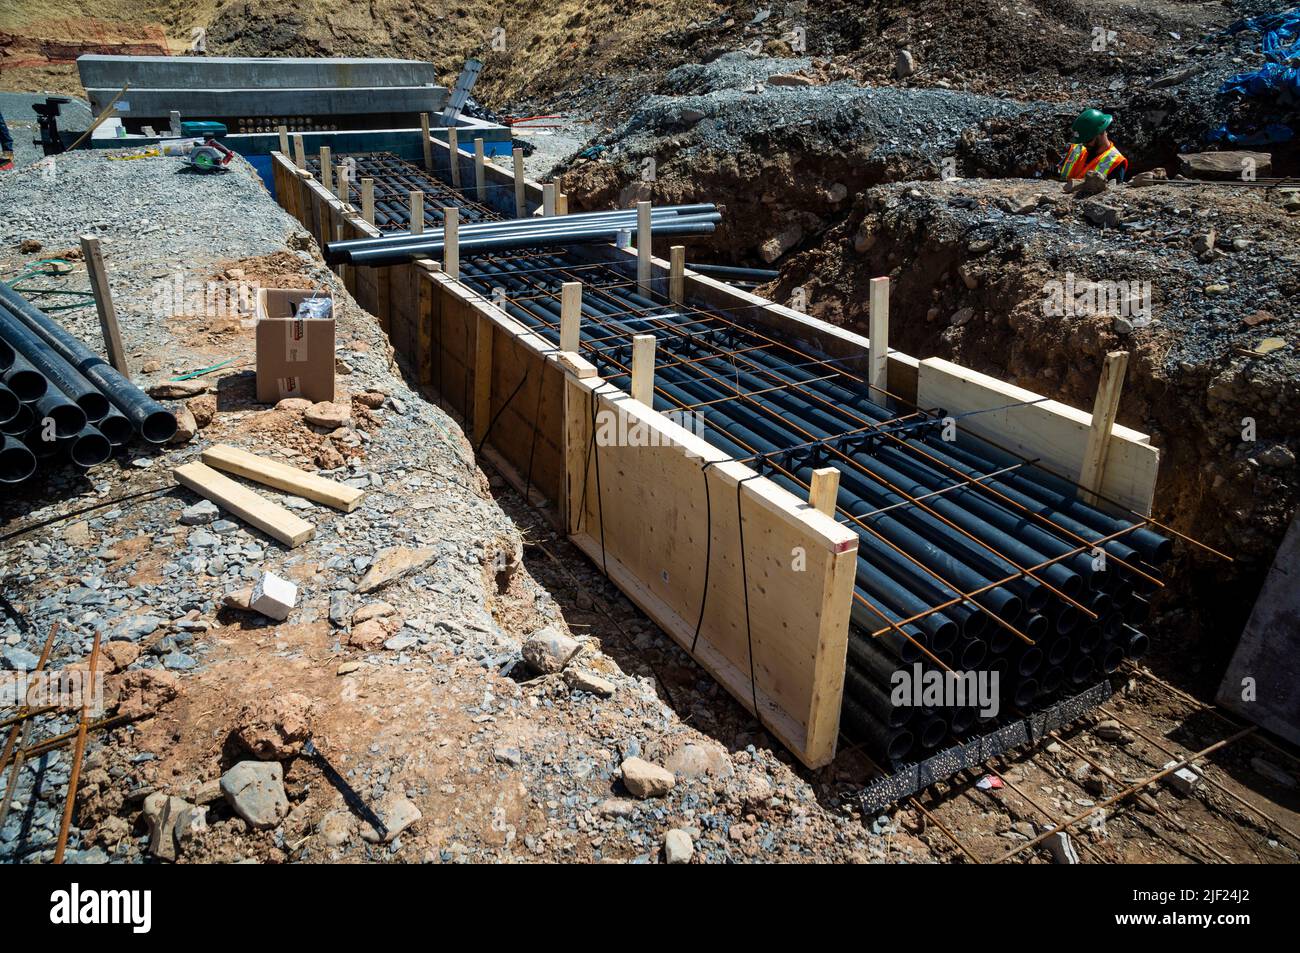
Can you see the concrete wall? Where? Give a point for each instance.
(318, 103)
(246, 72)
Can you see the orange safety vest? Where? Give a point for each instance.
(1076, 164)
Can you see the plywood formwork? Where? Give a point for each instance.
(767, 618)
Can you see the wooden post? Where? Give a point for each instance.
(824, 490)
(482, 377)
(548, 198)
(325, 168)
(878, 332)
(453, 143)
(425, 141)
(570, 316)
(284, 140)
(299, 153)
(643, 369)
(561, 203)
(417, 213)
(368, 200)
(341, 182)
(480, 173)
(104, 305)
(643, 247)
(521, 201)
(451, 242)
(677, 274)
(1104, 410)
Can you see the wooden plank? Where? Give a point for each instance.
(878, 334)
(368, 200)
(482, 378)
(283, 477)
(424, 356)
(270, 518)
(284, 139)
(1104, 409)
(521, 200)
(451, 241)
(104, 305)
(417, 213)
(643, 247)
(424, 138)
(326, 169)
(643, 369)
(570, 316)
(1053, 433)
(654, 528)
(453, 144)
(824, 490)
(548, 199)
(299, 153)
(480, 181)
(677, 274)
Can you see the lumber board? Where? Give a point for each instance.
(653, 527)
(1049, 431)
(282, 476)
(1104, 410)
(270, 518)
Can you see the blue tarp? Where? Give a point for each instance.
(1280, 76)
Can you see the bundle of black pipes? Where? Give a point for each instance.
(970, 560)
(674, 221)
(60, 400)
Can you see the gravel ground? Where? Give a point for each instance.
(432, 740)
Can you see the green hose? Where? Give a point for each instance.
(34, 270)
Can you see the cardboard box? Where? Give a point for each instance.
(295, 356)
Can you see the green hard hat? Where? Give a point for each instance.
(1090, 124)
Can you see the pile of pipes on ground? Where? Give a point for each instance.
(60, 400)
(396, 248)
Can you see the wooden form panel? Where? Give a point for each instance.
(650, 522)
(1053, 433)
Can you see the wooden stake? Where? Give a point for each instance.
(482, 378)
(325, 168)
(417, 213)
(1104, 410)
(451, 242)
(480, 173)
(643, 247)
(548, 198)
(677, 273)
(284, 140)
(368, 200)
(643, 368)
(571, 316)
(299, 153)
(427, 143)
(878, 332)
(341, 182)
(561, 203)
(453, 143)
(104, 305)
(521, 201)
(824, 490)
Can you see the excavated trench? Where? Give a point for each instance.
(832, 222)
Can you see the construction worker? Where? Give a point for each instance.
(1093, 150)
(6, 145)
